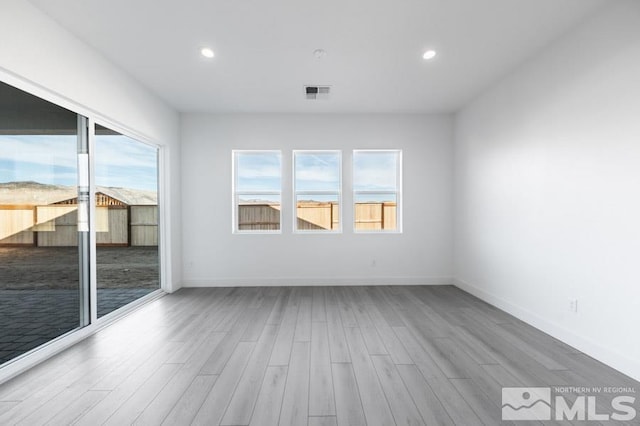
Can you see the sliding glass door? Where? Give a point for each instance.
(53, 166)
(126, 219)
(41, 294)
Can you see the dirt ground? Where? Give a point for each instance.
(24, 268)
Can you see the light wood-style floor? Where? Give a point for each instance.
(300, 356)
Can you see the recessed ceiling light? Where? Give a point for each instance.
(206, 52)
(429, 54)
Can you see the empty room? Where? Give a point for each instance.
(319, 213)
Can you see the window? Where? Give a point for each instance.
(126, 177)
(257, 193)
(317, 194)
(377, 180)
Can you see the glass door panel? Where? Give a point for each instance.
(126, 177)
(40, 288)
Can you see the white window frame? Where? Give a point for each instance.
(397, 192)
(236, 194)
(296, 193)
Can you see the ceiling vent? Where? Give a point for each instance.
(316, 92)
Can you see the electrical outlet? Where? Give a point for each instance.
(573, 305)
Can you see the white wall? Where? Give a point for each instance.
(38, 55)
(215, 256)
(547, 189)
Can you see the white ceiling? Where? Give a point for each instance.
(264, 49)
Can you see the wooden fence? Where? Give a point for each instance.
(313, 215)
(56, 225)
(375, 216)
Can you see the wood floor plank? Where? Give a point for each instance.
(402, 406)
(188, 404)
(337, 340)
(258, 322)
(277, 313)
(499, 374)
(321, 398)
(303, 323)
(373, 341)
(428, 344)
(7, 405)
(59, 367)
(487, 411)
(42, 396)
(376, 408)
(414, 319)
(295, 403)
(323, 421)
(389, 339)
(130, 410)
(349, 411)
(457, 408)
(515, 360)
(218, 359)
(269, 403)
(234, 312)
(452, 359)
(246, 393)
(118, 396)
(81, 404)
(124, 367)
(434, 309)
(421, 359)
(346, 311)
(546, 361)
(54, 406)
(425, 399)
(204, 315)
(477, 352)
(216, 402)
(162, 404)
(385, 306)
(205, 325)
(284, 340)
(318, 312)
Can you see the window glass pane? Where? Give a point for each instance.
(258, 171)
(375, 212)
(317, 171)
(40, 293)
(321, 213)
(257, 189)
(375, 170)
(317, 183)
(126, 175)
(376, 186)
(259, 212)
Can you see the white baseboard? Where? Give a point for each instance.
(303, 282)
(620, 362)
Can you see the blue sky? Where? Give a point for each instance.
(51, 159)
(259, 172)
(317, 171)
(124, 162)
(375, 171)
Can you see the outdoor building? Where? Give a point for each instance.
(131, 219)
